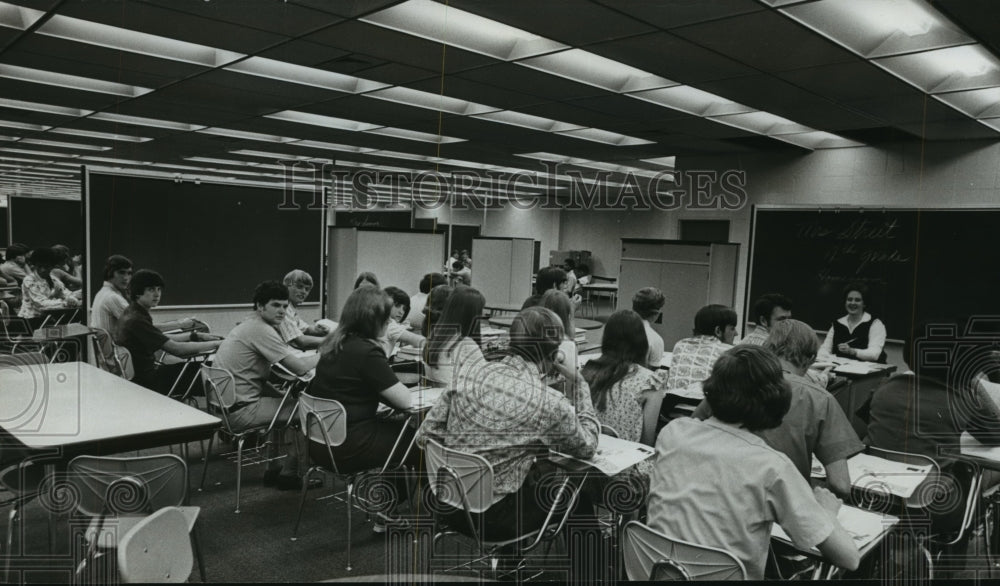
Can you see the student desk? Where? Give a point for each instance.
(497, 308)
(580, 323)
(74, 408)
(981, 457)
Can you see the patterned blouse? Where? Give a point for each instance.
(623, 409)
(38, 296)
(503, 412)
(693, 360)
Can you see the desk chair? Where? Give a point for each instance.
(929, 497)
(220, 398)
(157, 549)
(20, 482)
(110, 356)
(117, 494)
(465, 481)
(324, 421)
(651, 555)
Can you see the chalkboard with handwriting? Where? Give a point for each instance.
(923, 263)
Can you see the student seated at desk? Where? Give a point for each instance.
(436, 301)
(66, 268)
(294, 330)
(248, 353)
(561, 305)
(648, 303)
(15, 267)
(626, 394)
(815, 423)
(419, 301)
(112, 299)
(143, 340)
(546, 279)
(454, 343)
(768, 310)
(398, 333)
(354, 370)
(717, 483)
(858, 335)
(503, 412)
(41, 291)
(921, 410)
(693, 358)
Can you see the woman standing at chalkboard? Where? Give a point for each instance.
(857, 335)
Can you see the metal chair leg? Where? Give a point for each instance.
(302, 502)
(204, 470)
(197, 553)
(350, 505)
(239, 471)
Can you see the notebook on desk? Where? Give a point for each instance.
(862, 525)
(874, 473)
(613, 455)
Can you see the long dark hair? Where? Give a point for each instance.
(364, 315)
(460, 319)
(624, 344)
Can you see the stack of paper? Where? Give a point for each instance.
(692, 391)
(425, 397)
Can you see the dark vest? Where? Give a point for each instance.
(857, 340)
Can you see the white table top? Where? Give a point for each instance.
(74, 403)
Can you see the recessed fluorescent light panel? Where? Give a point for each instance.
(140, 121)
(444, 24)
(604, 136)
(75, 82)
(527, 121)
(585, 67)
(321, 120)
(967, 67)
(414, 135)
(818, 139)
(65, 145)
(300, 74)
(436, 102)
(984, 103)
(45, 108)
(692, 101)
(112, 37)
(247, 135)
(762, 123)
(879, 28)
(18, 17)
(23, 125)
(104, 135)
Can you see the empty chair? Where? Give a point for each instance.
(651, 555)
(118, 493)
(110, 356)
(157, 549)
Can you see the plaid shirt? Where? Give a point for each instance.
(693, 360)
(503, 412)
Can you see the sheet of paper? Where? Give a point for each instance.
(863, 526)
(856, 368)
(425, 397)
(614, 455)
(693, 391)
(973, 447)
(898, 478)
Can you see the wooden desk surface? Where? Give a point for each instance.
(79, 408)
